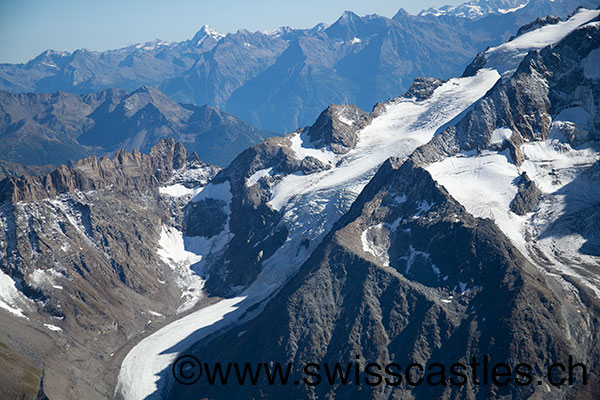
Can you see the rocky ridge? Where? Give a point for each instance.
(79, 249)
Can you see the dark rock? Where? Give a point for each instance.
(310, 165)
(422, 88)
(204, 218)
(527, 198)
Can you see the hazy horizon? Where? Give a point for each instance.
(29, 28)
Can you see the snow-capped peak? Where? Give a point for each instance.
(282, 30)
(152, 45)
(475, 9)
(206, 32)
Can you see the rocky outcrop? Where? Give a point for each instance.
(527, 197)
(338, 127)
(124, 171)
(422, 88)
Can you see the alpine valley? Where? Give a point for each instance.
(459, 219)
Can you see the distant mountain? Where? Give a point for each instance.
(56, 128)
(280, 81)
(476, 9)
(8, 168)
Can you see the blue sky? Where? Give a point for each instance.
(28, 27)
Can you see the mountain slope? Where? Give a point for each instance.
(281, 197)
(80, 274)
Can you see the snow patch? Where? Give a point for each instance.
(411, 257)
(178, 190)
(375, 240)
(53, 328)
(45, 278)
(257, 176)
(345, 120)
(499, 135)
(219, 191)
(173, 252)
(11, 299)
(302, 146)
(423, 207)
(399, 199)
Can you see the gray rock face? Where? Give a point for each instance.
(422, 88)
(527, 198)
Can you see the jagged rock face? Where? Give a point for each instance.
(125, 170)
(527, 197)
(403, 277)
(58, 128)
(81, 245)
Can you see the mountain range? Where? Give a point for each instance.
(40, 129)
(457, 220)
(281, 80)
